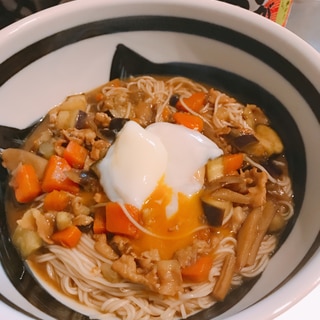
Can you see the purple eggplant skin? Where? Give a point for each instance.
(213, 214)
(81, 120)
(242, 141)
(116, 124)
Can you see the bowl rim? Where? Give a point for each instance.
(77, 10)
(29, 29)
(302, 52)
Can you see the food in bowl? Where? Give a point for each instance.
(149, 196)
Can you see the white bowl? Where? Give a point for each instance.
(69, 49)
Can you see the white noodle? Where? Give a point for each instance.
(289, 213)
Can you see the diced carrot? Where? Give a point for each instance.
(188, 120)
(199, 271)
(99, 96)
(75, 154)
(26, 183)
(99, 222)
(226, 164)
(115, 83)
(56, 200)
(68, 237)
(195, 102)
(232, 162)
(166, 113)
(55, 178)
(117, 221)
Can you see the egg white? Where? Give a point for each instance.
(133, 165)
(139, 158)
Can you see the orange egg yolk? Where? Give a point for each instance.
(173, 232)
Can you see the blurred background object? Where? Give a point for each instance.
(275, 10)
(304, 21)
(13, 10)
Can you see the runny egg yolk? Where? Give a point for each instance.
(173, 232)
(159, 170)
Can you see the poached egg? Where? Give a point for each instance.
(159, 170)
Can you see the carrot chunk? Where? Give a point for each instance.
(117, 221)
(199, 271)
(55, 178)
(166, 113)
(26, 183)
(75, 154)
(99, 222)
(195, 102)
(56, 200)
(232, 162)
(188, 120)
(68, 237)
(99, 96)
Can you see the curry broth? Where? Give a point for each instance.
(250, 181)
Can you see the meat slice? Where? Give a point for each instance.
(170, 278)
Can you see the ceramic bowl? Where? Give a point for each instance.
(77, 46)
